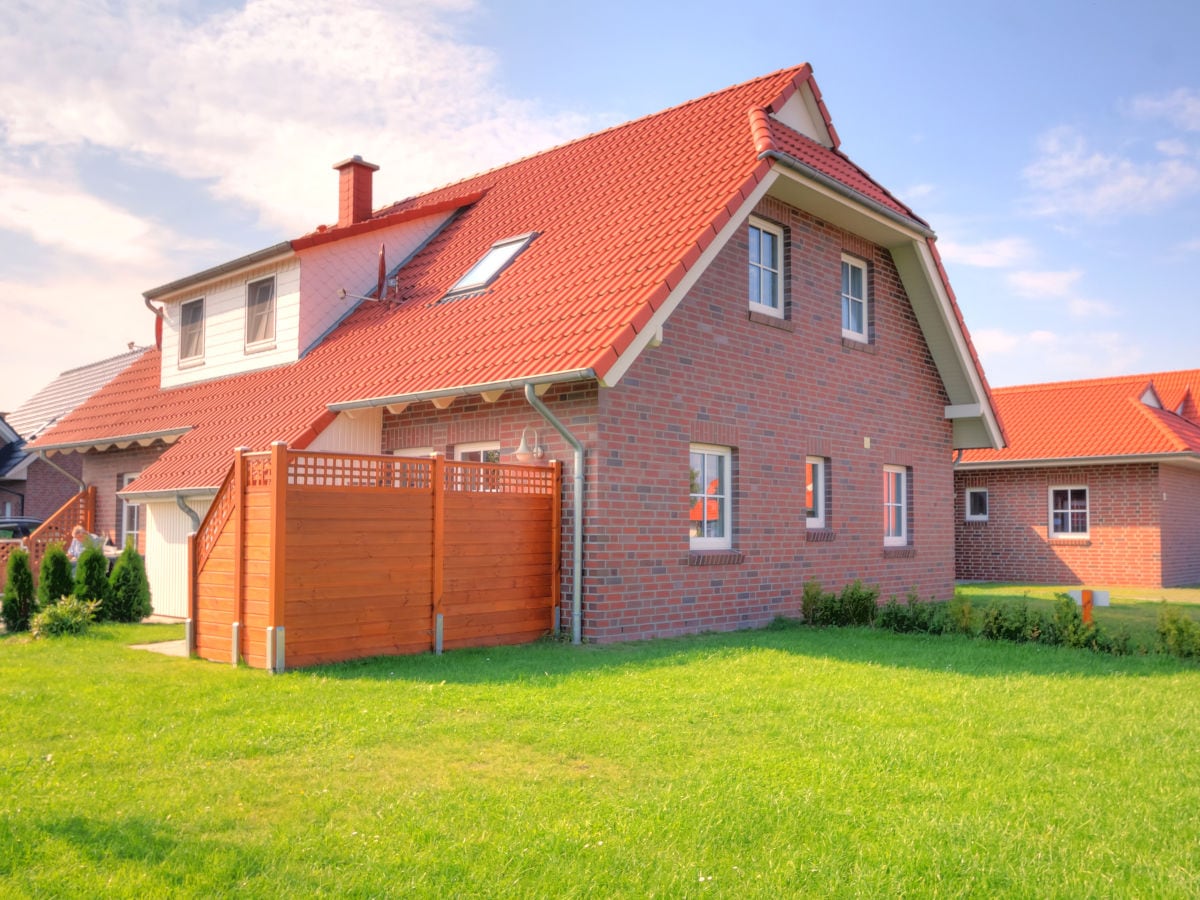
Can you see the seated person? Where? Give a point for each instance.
(80, 541)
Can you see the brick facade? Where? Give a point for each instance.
(44, 489)
(1143, 527)
(774, 392)
(105, 471)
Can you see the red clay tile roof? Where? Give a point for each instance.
(1097, 418)
(620, 215)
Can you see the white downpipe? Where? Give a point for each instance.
(576, 512)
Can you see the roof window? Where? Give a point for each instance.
(498, 258)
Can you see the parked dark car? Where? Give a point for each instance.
(17, 527)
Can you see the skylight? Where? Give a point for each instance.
(495, 261)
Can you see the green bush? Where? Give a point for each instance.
(915, 616)
(67, 616)
(1178, 634)
(958, 615)
(813, 602)
(55, 579)
(19, 603)
(857, 604)
(129, 591)
(91, 576)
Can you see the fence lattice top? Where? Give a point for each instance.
(405, 473)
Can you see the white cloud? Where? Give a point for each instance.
(1069, 178)
(1043, 284)
(1009, 356)
(262, 100)
(1181, 107)
(996, 254)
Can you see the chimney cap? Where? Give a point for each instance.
(356, 160)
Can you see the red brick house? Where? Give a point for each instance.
(1099, 485)
(744, 351)
(31, 485)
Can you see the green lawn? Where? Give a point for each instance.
(785, 762)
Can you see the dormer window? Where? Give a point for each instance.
(191, 331)
(260, 312)
(498, 258)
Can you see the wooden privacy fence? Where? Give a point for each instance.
(305, 558)
(79, 510)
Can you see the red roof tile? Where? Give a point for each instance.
(1096, 418)
(620, 215)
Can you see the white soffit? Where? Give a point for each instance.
(802, 113)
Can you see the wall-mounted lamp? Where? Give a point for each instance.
(524, 452)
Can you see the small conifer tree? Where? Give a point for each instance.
(129, 589)
(91, 578)
(19, 603)
(55, 580)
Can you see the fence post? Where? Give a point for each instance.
(556, 545)
(189, 625)
(438, 543)
(237, 521)
(277, 560)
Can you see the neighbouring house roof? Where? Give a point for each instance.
(66, 392)
(1130, 417)
(625, 219)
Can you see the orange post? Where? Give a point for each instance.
(1086, 600)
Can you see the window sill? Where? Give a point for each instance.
(909, 552)
(1062, 541)
(763, 318)
(715, 558)
(855, 344)
(259, 348)
(191, 363)
(975, 523)
(819, 535)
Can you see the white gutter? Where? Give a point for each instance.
(1045, 463)
(569, 375)
(576, 512)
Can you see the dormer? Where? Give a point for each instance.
(271, 307)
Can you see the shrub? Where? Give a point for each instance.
(66, 616)
(18, 603)
(1004, 622)
(857, 604)
(55, 579)
(1178, 634)
(91, 576)
(129, 591)
(958, 615)
(813, 603)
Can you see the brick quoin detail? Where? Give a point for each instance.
(1143, 527)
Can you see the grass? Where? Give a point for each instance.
(1131, 608)
(789, 761)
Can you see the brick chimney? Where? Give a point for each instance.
(354, 190)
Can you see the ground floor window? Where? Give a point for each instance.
(131, 514)
(1068, 512)
(710, 497)
(895, 506)
(814, 491)
(976, 503)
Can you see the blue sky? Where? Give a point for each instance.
(1054, 147)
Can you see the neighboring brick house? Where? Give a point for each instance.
(34, 486)
(744, 350)
(1099, 485)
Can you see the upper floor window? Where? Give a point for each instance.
(766, 268)
(854, 298)
(710, 498)
(498, 258)
(260, 311)
(191, 330)
(814, 492)
(1068, 512)
(976, 503)
(895, 506)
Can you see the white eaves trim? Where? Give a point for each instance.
(1191, 460)
(653, 329)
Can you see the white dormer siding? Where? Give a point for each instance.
(308, 301)
(352, 264)
(802, 113)
(226, 351)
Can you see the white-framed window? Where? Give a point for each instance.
(976, 504)
(766, 268)
(131, 513)
(710, 497)
(191, 330)
(1069, 511)
(485, 451)
(497, 258)
(895, 506)
(260, 311)
(854, 298)
(814, 491)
